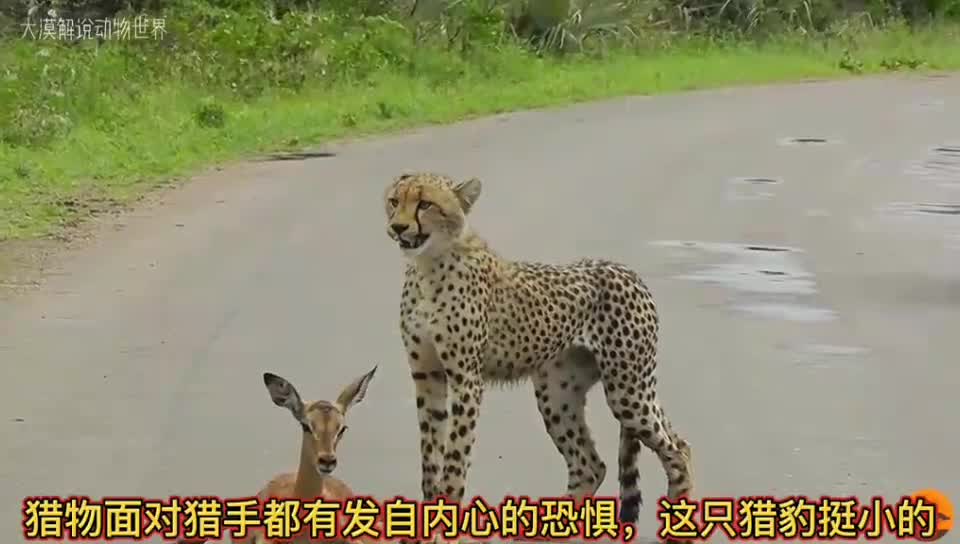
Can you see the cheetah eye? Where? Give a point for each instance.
(393, 202)
(424, 205)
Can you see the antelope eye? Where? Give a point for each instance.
(341, 431)
(424, 205)
(393, 202)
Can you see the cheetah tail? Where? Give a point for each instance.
(631, 498)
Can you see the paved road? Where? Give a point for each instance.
(826, 368)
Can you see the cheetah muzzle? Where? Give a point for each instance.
(416, 242)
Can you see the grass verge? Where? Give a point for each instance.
(113, 155)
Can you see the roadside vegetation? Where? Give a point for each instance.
(89, 123)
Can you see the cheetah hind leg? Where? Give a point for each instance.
(687, 456)
(561, 390)
(684, 488)
(673, 451)
(633, 401)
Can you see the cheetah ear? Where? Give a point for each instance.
(467, 193)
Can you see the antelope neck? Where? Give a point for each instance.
(310, 483)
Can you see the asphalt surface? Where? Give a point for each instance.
(829, 368)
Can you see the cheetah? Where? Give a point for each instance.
(470, 318)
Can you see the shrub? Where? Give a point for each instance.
(245, 47)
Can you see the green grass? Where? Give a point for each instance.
(117, 151)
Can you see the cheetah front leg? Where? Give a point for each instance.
(430, 382)
(459, 351)
(466, 396)
(460, 356)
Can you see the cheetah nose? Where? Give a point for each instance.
(398, 228)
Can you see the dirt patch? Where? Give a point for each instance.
(78, 209)
(24, 263)
(86, 215)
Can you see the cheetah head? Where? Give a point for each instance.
(427, 213)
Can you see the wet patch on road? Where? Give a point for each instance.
(759, 180)
(751, 188)
(937, 219)
(829, 349)
(768, 248)
(950, 150)
(770, 280)
(923, 209)
(808, 140)
(788, 312)
(938, 215)
(825, 355)
(940, 209)
(941, 166)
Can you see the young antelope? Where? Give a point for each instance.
(323, 424)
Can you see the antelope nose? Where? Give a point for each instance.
(327, 462)
(398, 228)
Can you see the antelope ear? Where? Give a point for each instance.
(284, 394)
(354, 393)
(467, 193)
